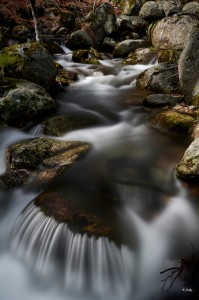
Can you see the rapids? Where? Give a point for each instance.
(157, 218)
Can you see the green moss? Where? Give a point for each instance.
(167, 56)
(171, 122)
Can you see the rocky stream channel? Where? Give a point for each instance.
(99, 169)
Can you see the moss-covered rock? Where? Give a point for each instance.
(80, 39)
(140, 56)
(86, 56)
(123, 48)
(29, 61)
(188, 167)
(40, 160)
(162, 78)
(65, 77)
(20, 32)
(169, 55)
(23, 101)
(63, 209)
(59, 125)
(171, 122)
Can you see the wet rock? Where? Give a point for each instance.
(29, 61)
(23, 101)
(123, 49)
(173, 32)
(161, 100)
(63, 209)
(162, 78)
(171, 122)
(188, 67)
(191, 8)
(60, 125)
(80, 39)
(151, 11)
(188, 167)
(40, 160)
(64, 77)
(141, 56)
(139, 25)
(86, 56)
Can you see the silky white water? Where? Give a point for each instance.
(157, 220)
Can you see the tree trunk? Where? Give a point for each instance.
(36, 21)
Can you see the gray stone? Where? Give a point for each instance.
(151, 11)
(188, 167)
(188, 67)
(162, 78)
(123, 48)
(173, 32)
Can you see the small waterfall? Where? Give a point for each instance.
(85, 264)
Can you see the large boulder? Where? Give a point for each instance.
(162, 78)
(171, 7)
(188, 167)
(22, 102)
(173, 32)
(188, 67)
(29, 61)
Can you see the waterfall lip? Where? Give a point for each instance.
(93, 263)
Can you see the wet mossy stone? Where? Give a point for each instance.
(140, 56)
(80, 39)
(37, 162)
(188, 167)
(171, 122)
(64, 77)
(64, 210)
(169, 55)
(44, 152)
(22, 102)
(29, 61)
(162, 78)
(82, 56)
(60, 125)
(161, 100)
(123, 48)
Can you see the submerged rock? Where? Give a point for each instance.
(29, 61)
(60, 125)
(22, 102)
(79, 220)
(171, 122)
(188, 167)
(40, 160)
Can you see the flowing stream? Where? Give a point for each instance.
(156, 218)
